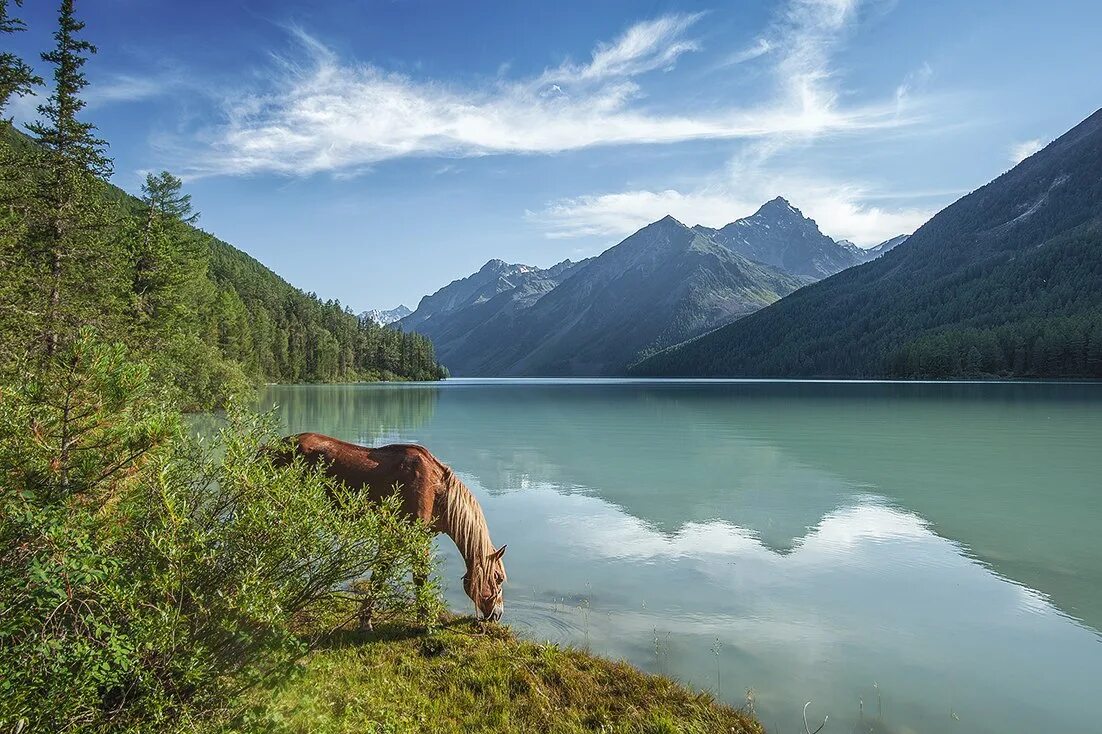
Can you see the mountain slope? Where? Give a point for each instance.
(886, 246)
(1007, 280)
(467, 317)
(496, 276)
(778, 234)
(661, 285)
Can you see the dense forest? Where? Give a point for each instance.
(78, 253)
(1006, 282)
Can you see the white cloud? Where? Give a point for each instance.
(324, 114)
(802, 41)
(646, 46)
(759, 48)
(1020, 151)
(621, 213)
(127, 88)
(810, 31)
(914, 81)
(842, 211)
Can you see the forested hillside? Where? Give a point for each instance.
(208, 316)
(1005, 282)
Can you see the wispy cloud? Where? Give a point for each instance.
(128, 88)
(810, 30)
(913, 82)
(325, 114)
(646, 46)
(801, 43)
(759, 48)
(1020, 151)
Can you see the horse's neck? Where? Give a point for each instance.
(463, 522)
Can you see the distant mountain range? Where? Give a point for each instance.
(1006, 281)
(382, 318)
(662, 285)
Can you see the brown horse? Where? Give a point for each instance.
(429, 491)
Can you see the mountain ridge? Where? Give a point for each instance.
(779, 234)
(663, 283)
(388, 316)
(1005, 281)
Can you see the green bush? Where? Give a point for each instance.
(148, 578)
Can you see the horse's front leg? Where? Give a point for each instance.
(374, 585)
(422, 564)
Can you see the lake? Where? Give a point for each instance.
(911, 557)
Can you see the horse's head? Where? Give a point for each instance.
(483, 583)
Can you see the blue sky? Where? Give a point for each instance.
(374, 151)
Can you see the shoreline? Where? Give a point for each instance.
(466, 677)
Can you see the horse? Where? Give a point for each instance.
(429, 491)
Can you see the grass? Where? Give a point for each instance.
(465, 678)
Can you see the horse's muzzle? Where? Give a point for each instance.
(495, 615)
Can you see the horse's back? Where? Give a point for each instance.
(410, 468)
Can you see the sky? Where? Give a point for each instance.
(373, 151)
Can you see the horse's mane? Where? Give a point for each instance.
(463, 520)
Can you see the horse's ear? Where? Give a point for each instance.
(499, 552)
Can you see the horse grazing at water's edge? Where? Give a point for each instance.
(429, 491)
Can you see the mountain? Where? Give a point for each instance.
(663, 284)
(468, 315)
(886, 245)
(778, 234)
(1005, 281)
(382, 318)
(496, 276)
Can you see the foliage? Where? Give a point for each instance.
(467, 679)
(148, 578)
(16, 77)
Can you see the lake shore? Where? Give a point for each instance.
(465, 678)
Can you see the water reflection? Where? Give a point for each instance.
(868, 595)
(365, 414)
(821, 537)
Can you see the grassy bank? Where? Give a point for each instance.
(466, 679)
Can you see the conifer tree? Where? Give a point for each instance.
(16, 77)
(66, 238)
(164, 258)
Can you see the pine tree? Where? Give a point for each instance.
(71, 216)
(164, 258)
(16, 77)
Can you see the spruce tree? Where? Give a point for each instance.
(164, 258)
(16, 77)
(67, 237)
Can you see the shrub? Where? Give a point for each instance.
(148, 578)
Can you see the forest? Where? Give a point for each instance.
(78, 253)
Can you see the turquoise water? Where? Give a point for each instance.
(909, 557)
